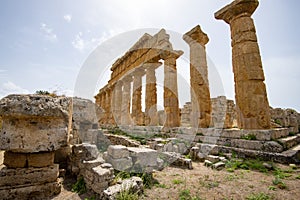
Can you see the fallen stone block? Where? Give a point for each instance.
(143, 156)
(219, 165)
(117, 151)
(134, 185)
(207, 163)
(212, 158)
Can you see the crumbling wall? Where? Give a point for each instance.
(287, 118)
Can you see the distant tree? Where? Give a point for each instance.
(44, 92)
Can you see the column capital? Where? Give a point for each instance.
(152, 65)
(127, 78)
(237, 8)
(196, 35)
(172, 54)
(139, 72)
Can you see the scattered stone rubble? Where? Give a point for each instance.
(34, 126)
(86, 162)
(134, 185)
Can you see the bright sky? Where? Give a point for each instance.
(45, 44)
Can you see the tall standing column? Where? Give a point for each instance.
(137, 114)
(151, 117)
(250, 90)
(117, 102)
(171, 104)
(200, 94)
(126, 98)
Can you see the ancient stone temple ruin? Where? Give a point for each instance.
(141, 60)
(42, 137)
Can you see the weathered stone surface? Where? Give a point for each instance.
(171, 105)
(137, 113)
(84, 118)
(86, 151)
(20, 160)
(143, 157)
(34, 123)
(1, 157)
(219, 165)
(10, 178)
(43, 191)
(15, 160)
(251, 97)
(134, 184)
(151, 117)
(213, 158)
(272, 146)
(120, 164)
(121, 140)
(117, 151)
(176, 159)
(126, 117)
(200, 94)
(35, 105)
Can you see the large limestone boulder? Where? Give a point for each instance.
(34, 123)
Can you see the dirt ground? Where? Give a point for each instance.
(205, 183)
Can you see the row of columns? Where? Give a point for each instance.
(116, 99)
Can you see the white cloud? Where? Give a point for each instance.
(68, 18)
(82, 43)
(11, 88)
(48, 32)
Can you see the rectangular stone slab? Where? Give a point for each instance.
(31, 192)
(27, 176)
(33, 134)
(21, 160)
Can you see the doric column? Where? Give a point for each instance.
(126, 118)
(171, 104)
(117, 102)
(137, 114)
(200, 95)
(151, 117)
(250, 90)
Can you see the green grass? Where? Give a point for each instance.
(186, 195)
(278, 121)
(298, 176)
(259, 196)
(292, 133)
(127, 195)
(177, 181)
(250, 164)
(279, 183)
(282, 174)
(79, 187)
